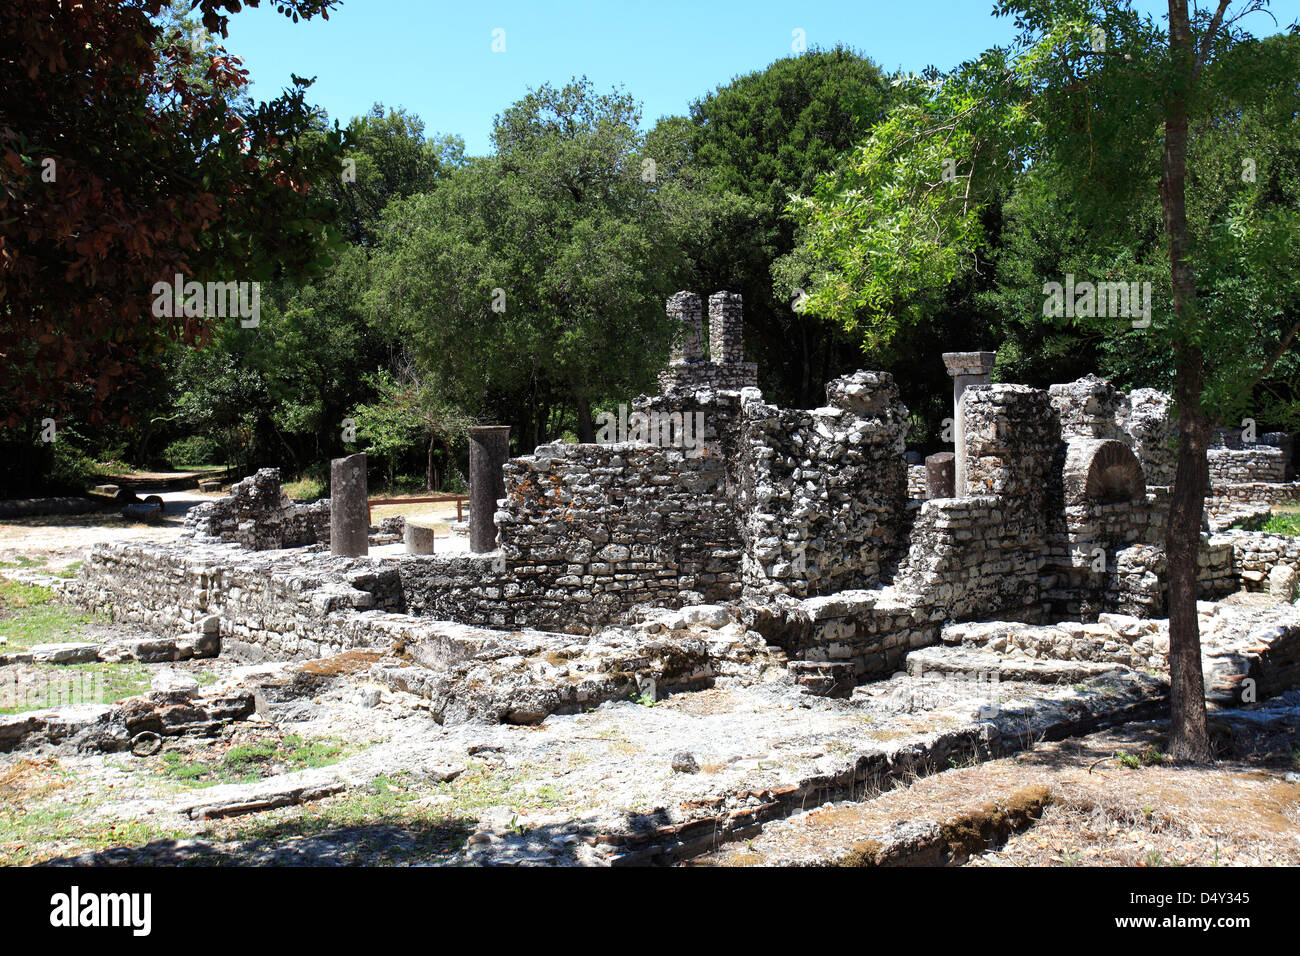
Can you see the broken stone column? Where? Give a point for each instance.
(966, 369)
(489, 447)
(726, 328)
(419, 538)
(685, 307)
(940, 475)
(349, 516)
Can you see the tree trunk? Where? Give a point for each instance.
(428, 465)
(1189, 740)
(586, 428)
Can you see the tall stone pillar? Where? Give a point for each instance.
(685, 307)
(726, 328)
(966, 369)
(489, 447)
(349, 516)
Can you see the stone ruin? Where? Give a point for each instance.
(806, 528)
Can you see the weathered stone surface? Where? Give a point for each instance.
(489, 447)
(69, 652)
(238, 799)
(419, 538)
(349, 517)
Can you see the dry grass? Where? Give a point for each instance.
(1103, 811)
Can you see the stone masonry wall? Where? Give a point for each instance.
(823, 491)
(1254, 463)
(590, 531)
(279, 605)
(258, 516)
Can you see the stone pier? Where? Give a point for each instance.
(685, 307)
(489, 447)
(726, 328)
(940, 476)
(349, 516)
(966, 369)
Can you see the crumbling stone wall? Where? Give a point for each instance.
(725, 369)
(272, 604)
(1143, 419)
(257, 515)
(1253, 463)
(823, 490)
(984, 553)
(590, 531)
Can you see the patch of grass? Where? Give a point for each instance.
(41, 817)
(70, 571)
(23, 561)
(29, 615)
(1147, 758)
(1288, 523)
(248, 763)
(58, 685)
(306, 488)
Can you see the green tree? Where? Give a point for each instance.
(531, 282)
(1100, 103)
(748, 146)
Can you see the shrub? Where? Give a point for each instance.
(194, 450)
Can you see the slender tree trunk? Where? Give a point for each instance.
(1189, 740)
(428, 465)
(586, 428)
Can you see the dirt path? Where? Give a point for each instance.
(61, 539)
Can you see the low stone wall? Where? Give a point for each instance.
(1253, 463)
(1256, 553)
(1224, 495)
(590, 531)
(256, 515)
(272, 604)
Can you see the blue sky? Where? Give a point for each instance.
(436, 59)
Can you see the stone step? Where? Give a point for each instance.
(992, 668)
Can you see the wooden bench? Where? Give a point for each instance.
(430, 499)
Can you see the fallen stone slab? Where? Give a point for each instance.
(238, 799)
(153, 650)
(941, 661)
(66, 652)
(86, 726)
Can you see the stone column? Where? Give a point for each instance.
(966, 369)
(726, 328)
(489, 447)
(349, 517)
(688, 346)
(940, 475)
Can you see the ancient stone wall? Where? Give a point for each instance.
(272, 604)
(917, 487)
(1254, 463)
(589, 531)
(823, 490)
(258, 516)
